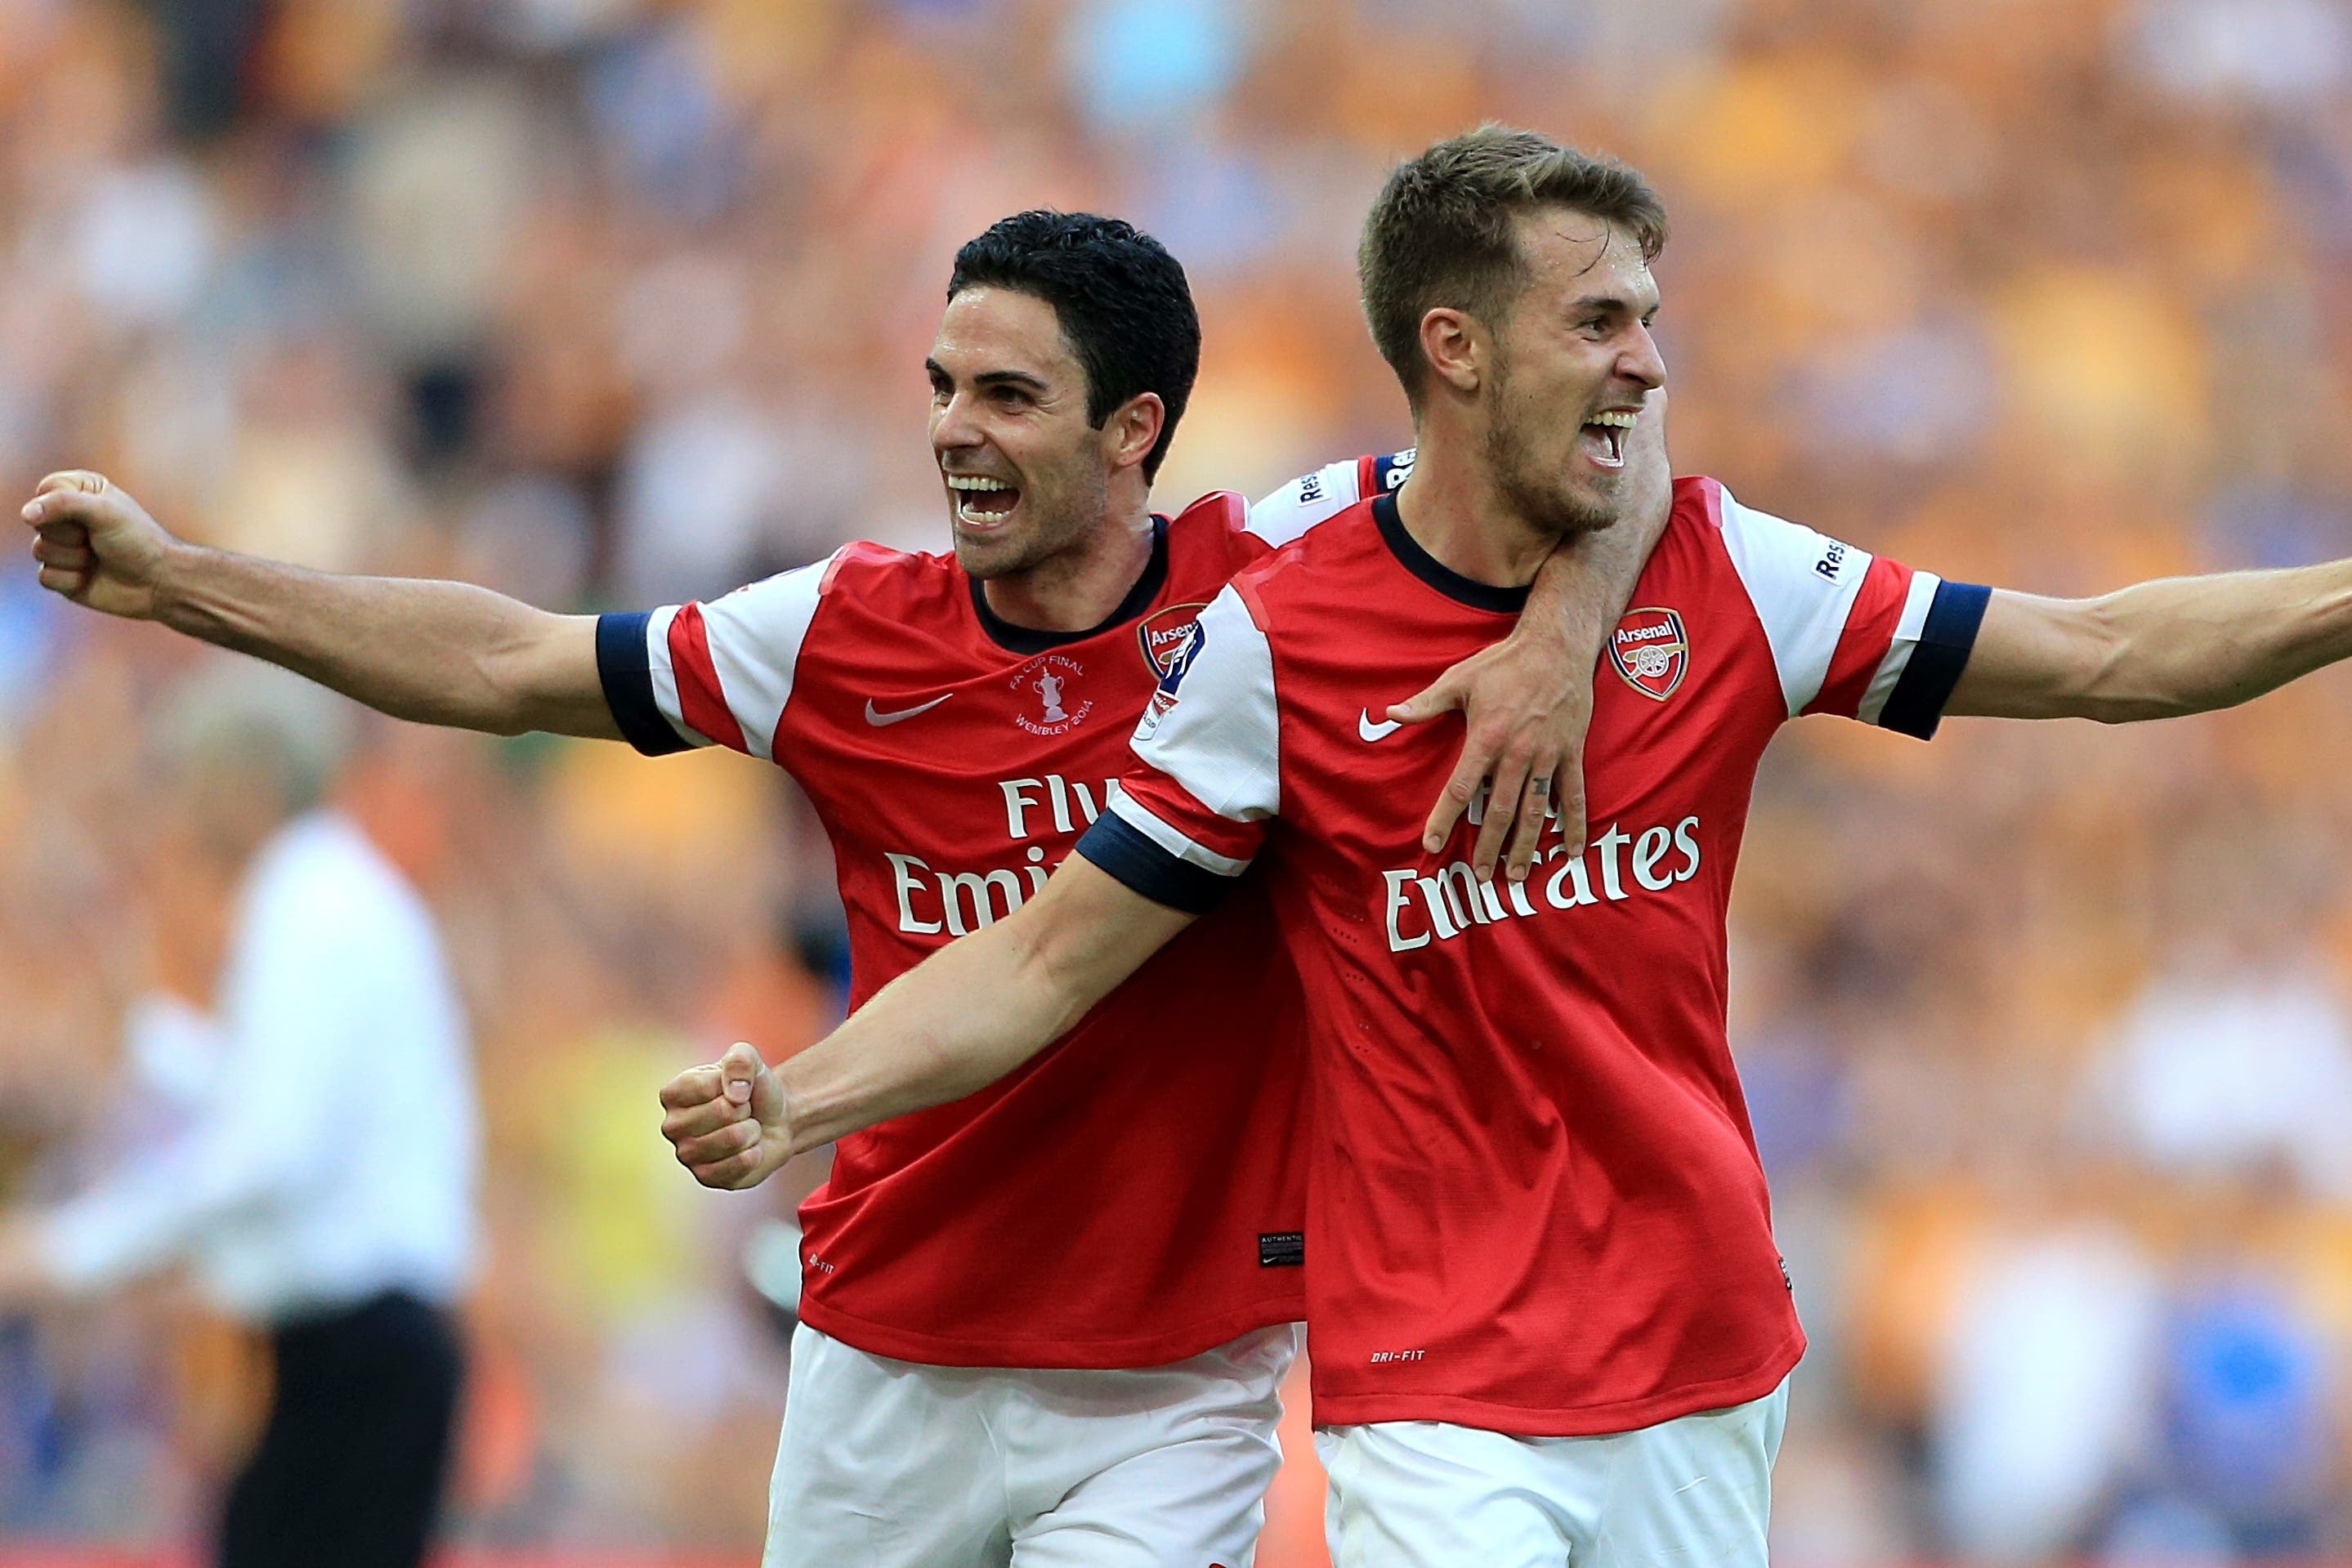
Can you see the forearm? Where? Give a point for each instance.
(1585, 585)
(434, 652)
(956, 1022)
(2183, 646)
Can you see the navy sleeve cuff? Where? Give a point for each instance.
(1127, 855)
(628, 680)
(1915, 706)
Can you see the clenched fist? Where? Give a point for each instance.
(727, 1120)
(97, 546)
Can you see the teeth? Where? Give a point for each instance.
(974, 481)
(979, 519)
(1621, 418)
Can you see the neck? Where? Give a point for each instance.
(1079, 588)
(1453, 509)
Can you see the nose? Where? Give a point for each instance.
(952, 424)
(1641, 362)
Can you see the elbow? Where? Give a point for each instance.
(1050, 963)
(2131, 711)
(1041, 969)
(499, 703)
(506, 722)
(2121, 680)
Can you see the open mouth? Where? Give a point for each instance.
(1603, 436)
(982, 503)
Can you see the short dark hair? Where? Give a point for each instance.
(1440, 232)
(1121, 298)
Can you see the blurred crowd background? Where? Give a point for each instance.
(608, 302)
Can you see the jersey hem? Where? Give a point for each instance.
(1049, 1354)
(1576, 1421)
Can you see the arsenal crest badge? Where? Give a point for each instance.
(1165, 635)
(1171, 640)
(1651, 650)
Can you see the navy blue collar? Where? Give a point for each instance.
(1029, 639)
(1436, 573)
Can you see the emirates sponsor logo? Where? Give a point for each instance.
(936, 902)
(1421, 907)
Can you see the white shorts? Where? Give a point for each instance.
(894, 1464)
(1428, 1494)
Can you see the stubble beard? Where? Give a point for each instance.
(1545, 500)
(1057, 526)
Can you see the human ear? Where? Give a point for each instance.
(1457, 346)
(1133, 429)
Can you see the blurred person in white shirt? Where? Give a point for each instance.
(2235, 1061)
(321, 1188)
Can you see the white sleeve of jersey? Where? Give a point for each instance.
(719, 673)
(1803, 586)
(1282, 516)
(1212, 730)
(1331, 490)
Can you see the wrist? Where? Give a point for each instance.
(792, 1135)
(174, 583)
(1552, 638)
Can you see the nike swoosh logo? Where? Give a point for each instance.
(1381, 731)
(878, 718)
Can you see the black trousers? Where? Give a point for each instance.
(348, 1470)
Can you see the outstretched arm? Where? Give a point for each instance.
(2157, 650)
(959, 1020)
(435, 651)
(1528, 700)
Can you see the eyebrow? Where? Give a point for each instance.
(1609, 302)
(990, 378)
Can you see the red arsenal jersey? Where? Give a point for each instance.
(1136, 1193)
(1535, 1202)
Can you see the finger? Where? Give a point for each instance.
(62, 555)
(695, 1086)
(65, 494)
(71, 584)
(1443, 694)
(1504, 803)
(732, 1174)
(64, 531)
(1568, 804)
(723, 1143)
(738, 1070)
(1456, 797)
(696, 1121)
(1527, 838)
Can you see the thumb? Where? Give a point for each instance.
(738, 1070)
(1443, 694)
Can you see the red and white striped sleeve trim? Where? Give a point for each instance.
(721, 673)
(1846, 628)
(1869, 647)
(1154, 804)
